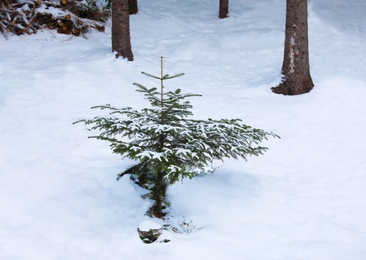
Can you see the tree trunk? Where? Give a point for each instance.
(224, 8)
(132, 6)
(296, 77)
(158, 195)
(121, 41)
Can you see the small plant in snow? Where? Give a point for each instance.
(167, 144)
(186, 226)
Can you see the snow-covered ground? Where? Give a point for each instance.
(304, 199)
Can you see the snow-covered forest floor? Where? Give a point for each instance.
(304, 199)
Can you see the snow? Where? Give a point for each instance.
(292, 55)
(148, 224)
(304, 199)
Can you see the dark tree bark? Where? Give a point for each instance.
(121, 41)
(296, 77)
(224, 8)
(133, 7)
(159, 195)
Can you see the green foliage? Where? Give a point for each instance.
(166, 143)
(91, 10)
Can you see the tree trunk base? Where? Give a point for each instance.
(287, 88)
(132, 7)
(223, 9)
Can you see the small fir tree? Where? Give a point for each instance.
(167, 144)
